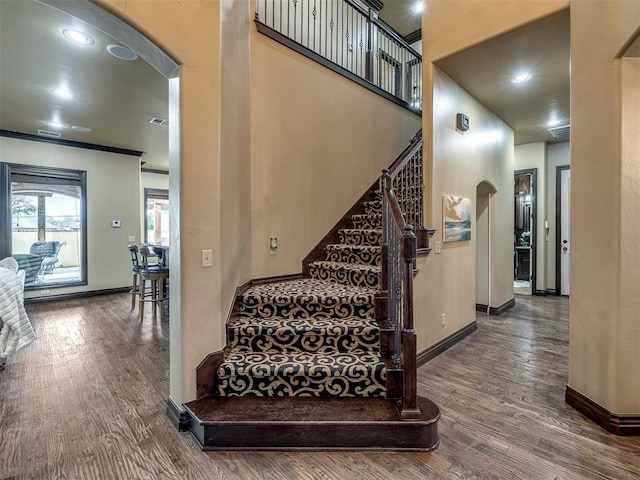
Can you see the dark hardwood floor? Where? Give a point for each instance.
(87, 401)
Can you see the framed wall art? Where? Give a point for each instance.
(456, 218)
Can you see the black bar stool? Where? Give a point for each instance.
(156, 275)
(135, 269)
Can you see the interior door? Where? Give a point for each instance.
(565, 232)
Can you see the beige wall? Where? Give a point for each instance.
(446, 283)
(528, 156)
(190, 33)
(604, 343)
(278, 146)
(449, 26)
(108, 260)
(628, 338)
(318, 142)
(558, 154)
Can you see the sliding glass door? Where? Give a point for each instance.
(46, 227)
(156, 216)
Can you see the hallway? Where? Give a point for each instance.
(87, 401)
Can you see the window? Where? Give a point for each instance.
(156, 218)
(44, 223)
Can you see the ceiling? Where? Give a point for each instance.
(540, 48)
(116, 98)
(401, 15)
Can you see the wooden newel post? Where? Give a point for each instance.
(410, 408)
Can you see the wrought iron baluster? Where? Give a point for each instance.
(295, 16)
(344, 32)
(339, 30)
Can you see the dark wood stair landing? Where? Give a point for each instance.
(310, 423)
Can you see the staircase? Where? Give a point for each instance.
(308, 362)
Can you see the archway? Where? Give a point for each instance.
(485, 233)
(100, 18)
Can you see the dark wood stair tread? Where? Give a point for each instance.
(310, 423)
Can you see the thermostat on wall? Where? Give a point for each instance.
(462, 122)
(115, 223)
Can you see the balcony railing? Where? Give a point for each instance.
(348, 37)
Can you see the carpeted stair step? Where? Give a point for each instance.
(306, 298)
(363, 254)
(358, 236)
(313, 335)
(373, 221)
(275, 374)
(373, 207)
(346, 273)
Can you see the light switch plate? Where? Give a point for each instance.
(438, 248)
(207, 258)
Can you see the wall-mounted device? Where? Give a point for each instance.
(462, 122)
(115, 223)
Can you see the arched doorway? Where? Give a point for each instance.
(110, 24)
(485, 246)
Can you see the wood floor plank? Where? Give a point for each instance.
(87, 401)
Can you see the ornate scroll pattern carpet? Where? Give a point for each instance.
(315, 336)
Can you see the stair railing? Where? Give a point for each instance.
(348, 37)
(402, 190)
(408, 183)
(399, 253)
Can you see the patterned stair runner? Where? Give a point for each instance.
(314, 336)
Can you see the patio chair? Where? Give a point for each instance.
(48, 251)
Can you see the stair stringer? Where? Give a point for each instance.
(318, 252)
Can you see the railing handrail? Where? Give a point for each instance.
(384, 26)
(405, 335)
(395, 34)
(354, 43)
(414, 145)
(358, 7)
(396, 211)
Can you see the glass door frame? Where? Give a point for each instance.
(6, 240)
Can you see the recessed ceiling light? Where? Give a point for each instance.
(78, 36)
(61, 92)
(418, 7)
(123, 53)
(78, 128)
(521, 78)
(55, 124)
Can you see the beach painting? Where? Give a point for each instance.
(456, 217)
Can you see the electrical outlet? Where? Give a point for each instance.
(273, 245)
(131, 239)
(207, 258)
(44, 292)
